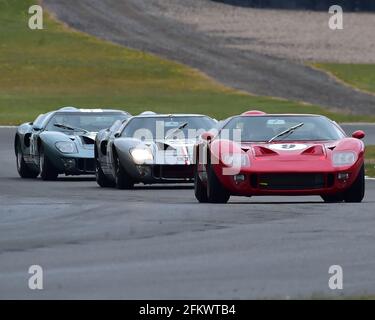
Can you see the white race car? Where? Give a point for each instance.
(149, 148)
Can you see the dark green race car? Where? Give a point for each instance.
(61, 142)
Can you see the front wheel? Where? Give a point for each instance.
(47, 171)
(216, 193)
(336, 198)
(101, 179)
(23, 170)
(123, 180)
(200, 189)
(356, 192)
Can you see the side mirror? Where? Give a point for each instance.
(359, 134)
(208, 136)
(117, 134)
(36, 128)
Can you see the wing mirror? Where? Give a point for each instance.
(207, 136)
(359, 134)
(36, 128)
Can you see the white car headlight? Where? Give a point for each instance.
(344, 158)
(235, 160)
(140, 156)
(66, 147)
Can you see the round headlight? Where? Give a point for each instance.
(235, 160)
(140, 156)
(66, 147)
(345, 158)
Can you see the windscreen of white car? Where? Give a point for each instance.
(168, 127)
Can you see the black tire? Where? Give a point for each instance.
(336, 198)
(101, 179)
(216, 193)
(123, 180)
(47, 170)
(200, 189)
(23, 170)
(356, 192)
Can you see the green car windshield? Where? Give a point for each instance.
(265, 128)
(88, 121)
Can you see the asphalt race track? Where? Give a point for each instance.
(156, 242)
(143, 25)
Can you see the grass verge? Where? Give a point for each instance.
(42, 70)
(361, 76)
(370, 161)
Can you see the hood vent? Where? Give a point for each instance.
(314, 151)
(165, 146)
(87, 140)
(263, 151)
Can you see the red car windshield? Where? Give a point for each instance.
(265, 128)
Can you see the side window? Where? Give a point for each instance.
(39, 120)
(116, 125)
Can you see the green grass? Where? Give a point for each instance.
(370, 161)
(42, 70)
(361, 76)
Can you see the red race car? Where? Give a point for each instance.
(279, 154)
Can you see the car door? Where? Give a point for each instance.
(36, 129)
(105, 154)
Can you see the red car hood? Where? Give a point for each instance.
(289, 149)
(290, 156)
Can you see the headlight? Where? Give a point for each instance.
(235, 160)
(140, 156)
(66, 147)
(345, 158)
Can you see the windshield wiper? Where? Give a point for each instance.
(182, 126)
(64, 126)
(287, 132)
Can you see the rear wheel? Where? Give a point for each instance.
(123, 180)
(23, 170)
(200, 189)
(47, 170)
(101, 179)
(215, 191)
(356, 192)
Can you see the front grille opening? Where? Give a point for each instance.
(86, 140)
(254, 181)
(291, 181)
(86, 165)
(330, 180)
(173, 171)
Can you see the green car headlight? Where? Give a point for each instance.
(66, 147)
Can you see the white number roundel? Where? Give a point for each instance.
(287, 146)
